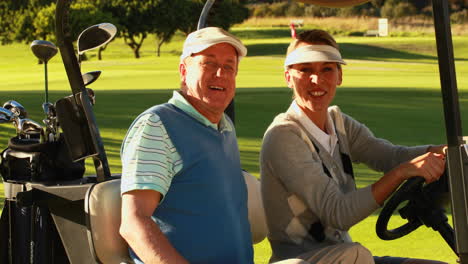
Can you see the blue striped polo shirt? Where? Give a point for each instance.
(149, 158)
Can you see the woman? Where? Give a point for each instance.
(308, 186)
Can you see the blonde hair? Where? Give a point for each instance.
(314, 36)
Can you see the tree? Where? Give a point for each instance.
(44, 24)
(378, 3)
(190, 10)
(397, 9)
(27, 20)
(459, 5)
(226, 13)
(166, 21)
(17, 18)
(367, 9)
(183, 15)
(6, 22)
(135, 19)
(223, 14)
(82, 15)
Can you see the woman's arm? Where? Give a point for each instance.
(400, 162)
(377, 153)
(286, 157)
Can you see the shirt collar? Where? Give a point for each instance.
(180, 102)
(327, 140)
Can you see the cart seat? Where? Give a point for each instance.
(102, 206)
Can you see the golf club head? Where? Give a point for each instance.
(95, 36)
(92, 96)
(29, 126)
(5, 115)
(44, 50)
(16, 108)
(51, 130)
(30, 129)
(51, 124)
(90, 77)
(49, 109)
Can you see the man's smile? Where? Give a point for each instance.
(218, 88)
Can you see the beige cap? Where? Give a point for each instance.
(313, 53)
(204, 38)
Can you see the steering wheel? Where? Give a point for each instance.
(411, 188)
(425, 205)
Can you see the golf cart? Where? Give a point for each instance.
(53, 214)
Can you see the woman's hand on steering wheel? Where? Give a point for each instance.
(430, 166)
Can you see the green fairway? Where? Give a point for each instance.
(390, 84)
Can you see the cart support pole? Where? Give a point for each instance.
(457, 157)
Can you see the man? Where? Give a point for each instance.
(184, 199)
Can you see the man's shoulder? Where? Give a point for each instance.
(157, 109)
(148, 120)
(153, 113)
(145, 118)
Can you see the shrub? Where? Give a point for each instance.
(278, 9)
(404, 10)
(459, 17)
(261, 10)
(359, 10)
(398, 10)
(295, 10)
(319, 11)
(268, 10)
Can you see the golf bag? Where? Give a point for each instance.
(32, 234)
(25, 160)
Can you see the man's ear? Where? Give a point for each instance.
(182, 72)
(288, 78)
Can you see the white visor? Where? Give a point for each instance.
(313, 53)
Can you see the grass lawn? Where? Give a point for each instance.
(390, 84)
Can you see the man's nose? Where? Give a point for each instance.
(220, 71)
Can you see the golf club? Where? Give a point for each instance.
(51, 130)
(90, 77)
(5, 115)
(47, 107)
(28, 128)
(94, 37)
(15, 107)
(92, 96)
(44, 51)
